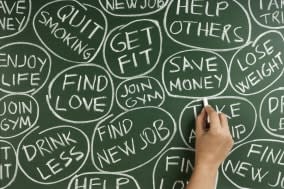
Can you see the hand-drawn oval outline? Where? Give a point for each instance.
(252, 44)
(52, 51)
(104, 173)
(118, 116)
(142, 77)
(218, 98)
(35, 122)
(241, 145)
(25, 25)
(204, 48)
(16, 164)
(158, 160)
(121, 27)
(259, 23)
(260, 114)
(34, 90)
(134, 15)
(194, 50)
(48, 96)
(46, 130)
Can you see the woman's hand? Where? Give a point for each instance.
(212, 146)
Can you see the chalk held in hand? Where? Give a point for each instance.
(205, 103)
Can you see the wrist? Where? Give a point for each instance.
(206, 169)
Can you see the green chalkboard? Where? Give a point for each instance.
(104, 94)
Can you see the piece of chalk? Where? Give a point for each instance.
(205, 101)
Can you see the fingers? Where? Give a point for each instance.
(213, 118)
(225, 126)
(217, 120)
(199, 122)
(223, 120)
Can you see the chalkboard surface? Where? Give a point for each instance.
(104, 94)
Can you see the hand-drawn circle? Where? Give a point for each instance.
(256, 12)
(70, 114)
(252, 63)
(23, 23)
(33, 170)
(159, 123)
(263, 170)
(145, 88)
(15, 169)
(130, 180)
(138, 10)
(112, 58)
(192, 74)
(180, 154)
(187, 122)
(85, 51)
(196, 41)
(272, 121)
(22, 108)
(24, 49)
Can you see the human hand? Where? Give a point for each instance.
(214, 144)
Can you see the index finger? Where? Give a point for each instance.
(199, 122)
(213, 118)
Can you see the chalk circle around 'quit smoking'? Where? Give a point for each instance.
(72, 31)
